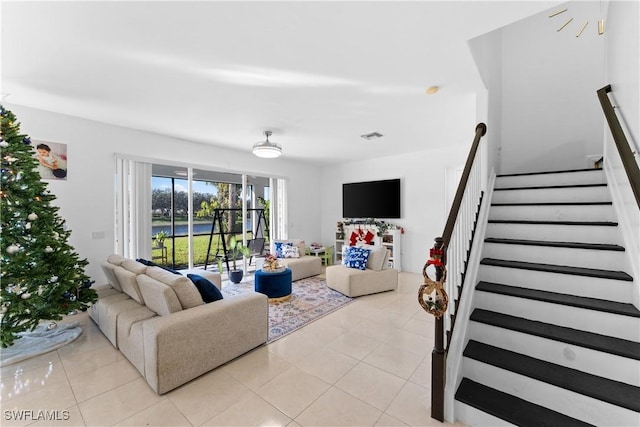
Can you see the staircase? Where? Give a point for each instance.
(553, 338)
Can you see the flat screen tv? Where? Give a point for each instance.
(371, 199)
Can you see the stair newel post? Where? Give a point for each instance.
(438, 357)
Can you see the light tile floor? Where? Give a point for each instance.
(367, 364)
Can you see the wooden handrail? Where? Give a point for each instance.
(438, 354)
(481, 130)
(622, 144)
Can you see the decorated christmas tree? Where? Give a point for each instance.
(42, 278)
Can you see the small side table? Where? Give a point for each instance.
(162, 256)
(277, 286)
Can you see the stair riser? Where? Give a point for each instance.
(560, 233)
(598, 322)
(474, 417)
(553, 213)
(593, 287)
(583, 359)
(575, 405)
(587, 258)
(570, 194)
(573, 178)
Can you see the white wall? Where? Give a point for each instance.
(551, 118)
(86, 198)
(623, 65)
(623, 53)
(422, 177)
(487, 53)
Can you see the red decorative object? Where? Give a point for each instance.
(435, 257)
(353, 238)
(369, 237)
(437, 300)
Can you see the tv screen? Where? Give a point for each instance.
(372, 199)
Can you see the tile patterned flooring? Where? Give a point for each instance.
(367, 364)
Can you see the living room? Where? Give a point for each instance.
(314, 185)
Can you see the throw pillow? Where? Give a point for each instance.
(290, 252)
(208, 290)
(153, 264)
(358, 258)
(345, 254)
(376, 258)
(279, 247)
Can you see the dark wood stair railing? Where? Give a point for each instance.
(438, 355)
(622, 144)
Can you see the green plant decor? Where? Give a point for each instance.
(237, 249)
(160, 237)
(43, 276)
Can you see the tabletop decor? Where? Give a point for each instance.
(271, 264)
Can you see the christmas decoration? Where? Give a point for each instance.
(437, 299)
(42, 278)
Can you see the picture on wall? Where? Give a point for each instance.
(52, 159)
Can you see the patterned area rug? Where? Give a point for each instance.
(310, 300)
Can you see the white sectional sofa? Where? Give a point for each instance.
(302, 267)
(159, 321)
(376, 277)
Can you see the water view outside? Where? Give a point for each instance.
(170, 211)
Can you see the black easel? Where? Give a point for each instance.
(217, 219)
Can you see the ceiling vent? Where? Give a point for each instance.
(372, 135)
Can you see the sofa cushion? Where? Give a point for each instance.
(129, 284)
(385, 263)
(208, 291)
(376, 260)
(134, 266)
(357, 257)
(116, 259)
(184, 288)
(108, 268)
(158, 297)
(353, 282)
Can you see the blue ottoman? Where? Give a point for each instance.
(277, 286)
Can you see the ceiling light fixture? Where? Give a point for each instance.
(432, 89)
(267, 149)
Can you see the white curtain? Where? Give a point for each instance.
(281, 218)
(133, 208)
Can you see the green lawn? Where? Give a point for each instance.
(200, 244)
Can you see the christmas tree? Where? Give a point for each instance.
(42, 278)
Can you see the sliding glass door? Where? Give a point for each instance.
(223, 205)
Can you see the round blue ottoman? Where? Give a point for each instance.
(277, 286)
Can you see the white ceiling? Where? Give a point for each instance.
(317, 74)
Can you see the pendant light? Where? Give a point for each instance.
(267, 149)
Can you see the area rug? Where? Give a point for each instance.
(311, 299)
(40, 340)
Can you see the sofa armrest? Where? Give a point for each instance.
(184, 345)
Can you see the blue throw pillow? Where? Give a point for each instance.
(153, 264)
(357, 258)
(208, 291)
(280, 248)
